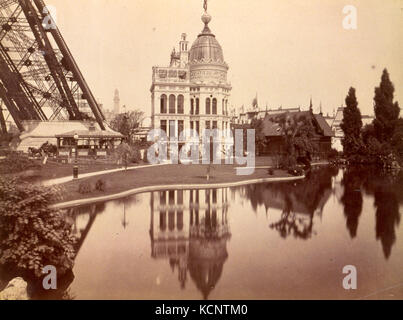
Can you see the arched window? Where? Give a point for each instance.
(172, 100)
(208, 105)
(197, 106)
(192, 102)
(214, 106)
(223, 106)
(181, 104)
(163, 103)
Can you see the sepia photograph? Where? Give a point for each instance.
(201, 151)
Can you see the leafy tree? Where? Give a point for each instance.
(298, 131)
(126, 123)
(127, 153)
(351, 125)
(87, 117)
(383, 139)
(83, 117)
(32, 235)
(260, 139)
(374, 150)
(386, 111)
(5, 138)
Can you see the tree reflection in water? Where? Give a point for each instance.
(352, 200)
(299, 201)
(387, 190)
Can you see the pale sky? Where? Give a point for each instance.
(284, 50)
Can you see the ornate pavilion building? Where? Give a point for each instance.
(193, 92)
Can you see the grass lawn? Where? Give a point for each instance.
(163, 175)
(126, 180)
(53, 169)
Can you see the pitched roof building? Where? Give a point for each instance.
(274, 134)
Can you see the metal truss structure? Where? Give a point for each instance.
(39, 78)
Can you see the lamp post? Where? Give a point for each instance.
(75, 167)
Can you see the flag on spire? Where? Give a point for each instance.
(255, 103)
(311, 106)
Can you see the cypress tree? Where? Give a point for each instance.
(386, 111)
(351, 125)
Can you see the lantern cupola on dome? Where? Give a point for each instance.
(206, 47)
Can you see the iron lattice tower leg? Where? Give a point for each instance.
(39, 78)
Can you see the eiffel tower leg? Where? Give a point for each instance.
(11, 108)
(76, 71)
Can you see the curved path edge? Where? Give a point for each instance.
(80, 202)
(55, 181)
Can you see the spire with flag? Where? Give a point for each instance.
(311, 105)
(255, 103)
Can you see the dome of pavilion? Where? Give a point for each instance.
(206, 47)
(206, 261)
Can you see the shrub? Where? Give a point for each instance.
(85, 187)
(130, 153)
(100, 185)
(32, 235)
(287, 162)
(6, 138)
(135, 155)
(16, 162)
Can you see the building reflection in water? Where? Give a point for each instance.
(190, 229)
(82, 218)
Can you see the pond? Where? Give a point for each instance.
(265, 241)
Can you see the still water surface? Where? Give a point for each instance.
(265, 241)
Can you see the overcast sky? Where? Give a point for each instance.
(284, 50)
